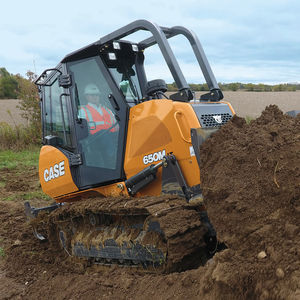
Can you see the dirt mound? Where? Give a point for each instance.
(251, 181)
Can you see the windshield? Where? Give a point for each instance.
(128, 83)
(121, 64)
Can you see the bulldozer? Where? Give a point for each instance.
(121, 159)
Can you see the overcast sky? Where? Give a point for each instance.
(246, 41)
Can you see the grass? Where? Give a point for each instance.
(26, 196)
(20, 166)
(25, 158)
(2, 253)
(18, 137)
(248, 119)
(35, 194)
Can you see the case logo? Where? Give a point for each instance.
(156, 156)
(54, 171)
(218, 119)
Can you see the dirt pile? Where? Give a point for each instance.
(251, 182)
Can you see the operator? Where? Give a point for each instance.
(99, 117)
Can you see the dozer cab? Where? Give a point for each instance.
(121, 159)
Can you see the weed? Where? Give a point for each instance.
(2, 253)
(18, 137)
(11, 197)
(26, 196)
(248, 119)
(35, 194)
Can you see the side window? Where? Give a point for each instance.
(57, 122)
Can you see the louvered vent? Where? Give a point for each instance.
(214, 120)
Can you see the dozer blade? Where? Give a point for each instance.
(32, 213)
(164, 233)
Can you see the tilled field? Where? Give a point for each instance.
(249, 104)
(10, 113)
(251, 182)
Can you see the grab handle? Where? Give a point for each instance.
(189, 140)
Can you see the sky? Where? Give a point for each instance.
(244, 41)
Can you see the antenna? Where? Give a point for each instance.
(34, 67)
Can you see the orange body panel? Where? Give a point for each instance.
(57, 182)
(156, 126)
(54, 172)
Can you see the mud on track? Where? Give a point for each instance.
(251, 182)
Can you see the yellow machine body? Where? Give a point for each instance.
(155, 128)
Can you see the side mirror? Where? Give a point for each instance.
(65, 81)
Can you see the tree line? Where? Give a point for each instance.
(238, 86)
(11, 86)
(27, 134)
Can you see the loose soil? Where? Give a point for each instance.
(251, 182)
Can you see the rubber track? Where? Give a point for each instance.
(179, 240)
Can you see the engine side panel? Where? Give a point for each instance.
(156, 128)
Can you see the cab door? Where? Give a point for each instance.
(101, 147)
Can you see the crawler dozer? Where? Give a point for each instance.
(127, 189)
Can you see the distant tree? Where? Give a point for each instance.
(4, 73)
(172, 87)
(267, 88)
(249, 87)
(204, 87)
(195, 87)
(8, 84)
(29, 100)
(233, 86)
(278, 88)
(8, 87)
(292, 88)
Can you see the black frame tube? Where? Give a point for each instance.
(159, 37)
(197, 48)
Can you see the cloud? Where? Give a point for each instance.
(256, 41)
(261, 72)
